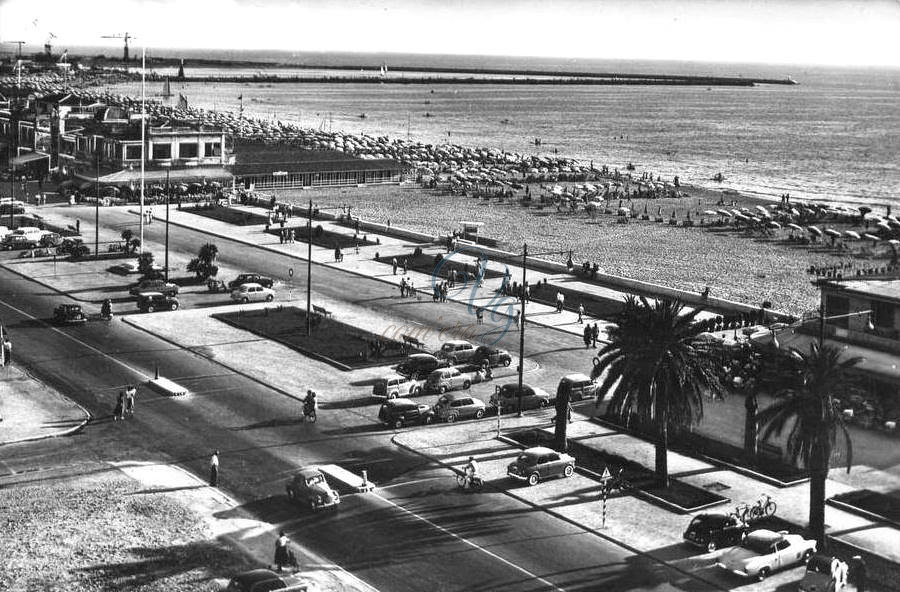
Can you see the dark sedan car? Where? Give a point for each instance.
(538, 463)
(419, 366)
(397, 413)
(491, 355)
(265, 580)
(251, 278)
(69, 314)
(715, 531)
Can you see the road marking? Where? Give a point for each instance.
(475, 545)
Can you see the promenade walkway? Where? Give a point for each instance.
(576, 500)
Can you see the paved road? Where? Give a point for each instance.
(418, 533)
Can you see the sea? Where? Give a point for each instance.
(834, 137)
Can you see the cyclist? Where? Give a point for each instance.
(309, 403)
(471, 470)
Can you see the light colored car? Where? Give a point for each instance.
(506, 397)
(538, 463)
(447, 379)
(451, 407)
(396, 385)
(252, 293)
(456, 351)
(764, 551)
(308, 486)
(130, 267)
(580, 386)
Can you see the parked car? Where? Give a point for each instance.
(161, 286)
(451, 407)
(397, 413)
(456, 352)
(506, 397)
(419, 366)
(130, 267)
(252, 293)
(19, 241)
(51, 239)
(492, 355)
(69, 314)
(153, 301)
(308, 486)
(446, 379)
(251, 278)
(715, 531)
(396, 385)
(580, 387)
(764, 551)
(538, 463)
(266, 580)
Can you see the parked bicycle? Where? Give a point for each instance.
(765, 506)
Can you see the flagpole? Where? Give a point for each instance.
(143, 141)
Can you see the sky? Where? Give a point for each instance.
(827, 32)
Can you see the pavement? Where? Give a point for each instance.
(627, 517)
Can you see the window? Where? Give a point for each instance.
(187, 150)
(163, 151)
(132, 152)
(212, 149)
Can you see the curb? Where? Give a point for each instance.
(557, 515)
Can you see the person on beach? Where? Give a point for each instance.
(214, 469)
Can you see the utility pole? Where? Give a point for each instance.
(521, 331)
(167, 226)
(97, 212)
(309, 269)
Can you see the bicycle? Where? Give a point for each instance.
(741, 512)
(474, 484)
(308, 415)
(765, 507)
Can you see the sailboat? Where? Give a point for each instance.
(166, 90)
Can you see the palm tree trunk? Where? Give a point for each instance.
(662, 442)
(751, 427)
(818, 474)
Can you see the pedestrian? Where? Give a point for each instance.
(292, 234)
(394, 265)
(130, 393)
(78, 226)
(403, 287)
(479, 315)
(562, 301)
(281, 236)
(214, 469)
(7, 351)
(404, 266)
(580, 312)
(527, 292)
(595, 335)
(518, 318)
(119, 411)
(558, 301)
(588, 334)
(281, 551)
(857, 574)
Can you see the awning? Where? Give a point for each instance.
(186, 175)
(26, 158)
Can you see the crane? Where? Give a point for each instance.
(20, 43)
(126, 37)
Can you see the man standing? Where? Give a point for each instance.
(588, 335)
(281, 551)
(214, 469)
(580, 312)
(857, 574)
(595, 334)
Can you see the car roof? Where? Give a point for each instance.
(765, 536)
(250, 285)
(310, 471)
(539, 450)
(577, 377)
(419, 357)
(457, 342)
(151, 295)
(248, 578)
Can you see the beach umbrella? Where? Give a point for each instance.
(832, 232)
(793, 226)
(884, 225)
(725, 213)
(762, 210)
(773, 225)
(794, 212)
(814, 230)
(872, 237)
(894, 243)
(711, 213)
(852, 234)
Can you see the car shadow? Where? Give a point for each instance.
(365, 400)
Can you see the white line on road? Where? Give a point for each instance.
(412, 482)
(475, 545)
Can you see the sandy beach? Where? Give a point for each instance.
(736, 264)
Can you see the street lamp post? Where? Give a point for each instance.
(309, 269)
(167, 225)
(97, 211)
(12, 200)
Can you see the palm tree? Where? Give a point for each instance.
(204, 264)
(657, 370)
(808, 407)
